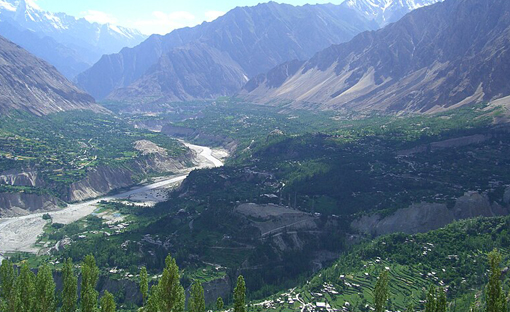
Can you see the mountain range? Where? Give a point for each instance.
(218, 58)
(70, 44)
(29, 84)
(438, 57)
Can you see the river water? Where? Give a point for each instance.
(21, 233)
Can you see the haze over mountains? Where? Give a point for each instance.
(30, 84)
(217, 58)
(448, 54)
(70, 44)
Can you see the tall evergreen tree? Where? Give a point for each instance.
(219, 304)
(495, 298)
(23, 294)
(7, 278)
(89, 276)
(197, 299)
(44, 290)
(144, 284)
(107, 302)
(240, 295)
(431, 303)
(441, 300)
(70, 288)
(152, 304)
(171, 297)
(381, 292)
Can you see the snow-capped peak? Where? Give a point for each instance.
(386, 11)
(5, 5)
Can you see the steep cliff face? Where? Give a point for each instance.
(102, 180)
(99, 181)
(425, 217)
(21, 178)
(12, 204)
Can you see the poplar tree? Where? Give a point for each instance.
(197, 299)
(219, 304)
(107, 302)
(7, 279)
(495, 298)
(431, 303)
(170, 296)
(144, 284)
(441, 300)
(89, 276)
(70, 288)
(381, 292)
(23, 294)
(152, 304)
(44, 290)
(240, 295)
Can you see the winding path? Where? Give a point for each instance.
(21, 233)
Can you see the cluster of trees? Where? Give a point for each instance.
(21, 290)
(495, 297)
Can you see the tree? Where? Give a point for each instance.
(44, 290)
(152, 304)
(495, 298)
(107, 302)
(240, 295)
(431, 303)
(7, 278)
(144, 284)
(197, 299)
(381, 292)
(219, 304)
(70, 288)
(89, 276)
(441, 300)
(170, 296)
(22, 295)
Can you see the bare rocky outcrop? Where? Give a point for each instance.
(12, 204)
(424, 217)
(191, 134)
(21, 178)
(99, 181)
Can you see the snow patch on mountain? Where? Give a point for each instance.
(386, 11)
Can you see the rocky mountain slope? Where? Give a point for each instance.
(244, 42)
(385, 12)
(30, 84)
(442, 56)
(76, 42)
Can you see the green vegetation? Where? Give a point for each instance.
(63, 147)
(357, 166)
(381, 292)
(455, 258)
(240, 295)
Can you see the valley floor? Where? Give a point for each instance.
(21, 233)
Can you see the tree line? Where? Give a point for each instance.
(21, 290)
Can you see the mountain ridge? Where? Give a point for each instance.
(30, 84)
(257, 38)
(435, 58)
(87, 41)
